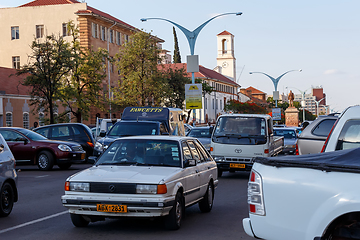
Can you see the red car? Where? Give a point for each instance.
(29, 147)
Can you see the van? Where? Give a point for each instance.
(143, 121)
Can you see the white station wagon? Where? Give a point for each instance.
(143, 176)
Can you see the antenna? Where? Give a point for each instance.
(237, 80)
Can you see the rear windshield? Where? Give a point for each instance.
(240, 130)
(122, 129)
(286, 133)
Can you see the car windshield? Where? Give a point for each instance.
(32, 135)
(122, 129)
(285, 133)
(240, 130)
(142, 152)
(200, 133)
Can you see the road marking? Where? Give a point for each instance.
(34, 221)
(42, 176)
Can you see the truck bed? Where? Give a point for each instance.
(339, 161)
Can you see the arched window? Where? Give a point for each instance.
(26, 120)
(9, 120)
(224, 46)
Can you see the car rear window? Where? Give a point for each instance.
(324, 127)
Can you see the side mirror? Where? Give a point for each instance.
(102, 134)
(190, 163)
(92, 159)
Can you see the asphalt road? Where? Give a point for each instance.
(39, 213)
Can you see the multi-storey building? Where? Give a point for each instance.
(317, 98)
(37, 19)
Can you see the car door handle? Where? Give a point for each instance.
(197, 171)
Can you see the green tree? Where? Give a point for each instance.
(82, 88)
(174, 89)
(176, 57)
(49, 63)
(141, 83)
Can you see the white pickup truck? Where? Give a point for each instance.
(238, 138)
(307, 197)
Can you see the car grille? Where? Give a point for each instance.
(238, 159)
(124, 188)
(77, 148)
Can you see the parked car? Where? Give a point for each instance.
(290, 138)
(312, 138)
(8, 179)
(143, 176)
(74, 132)
(29, 147)
(203, 134)
(346, 131)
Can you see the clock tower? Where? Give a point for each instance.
(226, 62)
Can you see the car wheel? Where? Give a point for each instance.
(78, 220)
(173, 220)
(206, 203)
(220, 172)
(6, 199)
(64, 166)
(45, 160)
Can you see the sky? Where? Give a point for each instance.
(320, 37)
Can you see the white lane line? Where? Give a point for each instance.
(42, 176)
(34, 221)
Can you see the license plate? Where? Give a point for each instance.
(111, 208)
(83, 156)
(237, 165)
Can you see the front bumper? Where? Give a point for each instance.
(71, 157)
(136, 206)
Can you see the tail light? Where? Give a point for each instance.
(327, 139)
(255, 194)
(266, 151)
(90, 144)
(296, 149)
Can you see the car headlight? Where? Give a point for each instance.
(64, 148)
(219, 158)
(98, 147)
(151, 189)
(77, 186)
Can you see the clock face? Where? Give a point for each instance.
(225, 64)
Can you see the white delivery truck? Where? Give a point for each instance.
(238, 138)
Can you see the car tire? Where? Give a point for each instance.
(45, 161)
(220, 172)
(64, 166)
(173, 220)
(206, 203)
(78, 220)
(6, 199)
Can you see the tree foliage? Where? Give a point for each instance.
(82, 88)
(141, 83)
(244, 107)
(176, 57)
(49, 63)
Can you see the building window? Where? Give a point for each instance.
(213, 104)
(16, 62)
(15, 33)
(103, 33)
(65, 30)
(41, 119)
(118, 38)
(126, 38)
(205, 103)
(39, 31)
(9, 121)
(111, 40)
(26, 120)
(95, 30)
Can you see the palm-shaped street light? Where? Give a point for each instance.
(317, 105)
(191, 37)
(276, 81)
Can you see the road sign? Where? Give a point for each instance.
(193, 96)
(276, 114)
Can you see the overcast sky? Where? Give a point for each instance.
(320, 37)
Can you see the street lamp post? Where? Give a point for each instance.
(317, 106)
(191, 37)
(275, 80)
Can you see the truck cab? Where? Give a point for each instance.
(238, 138)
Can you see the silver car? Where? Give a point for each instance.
(290, 138)
(312, 138)
(8, 179)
